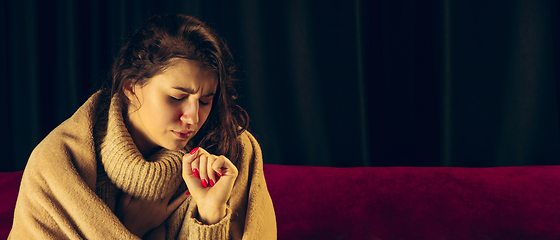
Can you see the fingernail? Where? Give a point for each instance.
(188, 192)
(195, 172)
(211, 182)
(204, 184)
(219, 175)
(194, 151)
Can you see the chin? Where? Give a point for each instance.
(176, 147)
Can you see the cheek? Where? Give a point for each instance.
(203, 116)
(164, 114)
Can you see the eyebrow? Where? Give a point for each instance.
(192, 91)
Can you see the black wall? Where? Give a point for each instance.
(326, 83)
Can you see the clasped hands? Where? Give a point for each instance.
(210, 180)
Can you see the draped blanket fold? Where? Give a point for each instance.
(73, 177)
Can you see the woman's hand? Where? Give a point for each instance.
(210, 179)
(139, 216)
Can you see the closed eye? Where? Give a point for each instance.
(176, 99)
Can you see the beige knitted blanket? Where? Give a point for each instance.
(73, 177)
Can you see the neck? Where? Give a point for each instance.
(145, 148)
(149, 178)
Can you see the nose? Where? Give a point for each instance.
(189, 115)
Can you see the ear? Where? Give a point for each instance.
(128, 89)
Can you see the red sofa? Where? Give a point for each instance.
(398, 202)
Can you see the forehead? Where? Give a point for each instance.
(187, 74)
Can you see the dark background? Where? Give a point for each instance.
(326, 83)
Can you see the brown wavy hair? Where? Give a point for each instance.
(164, 37)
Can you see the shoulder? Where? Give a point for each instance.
(76, 129)
(250, 148)
(248, 142)
(246, 138)
(70, 146)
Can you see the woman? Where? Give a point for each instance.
(162, 152)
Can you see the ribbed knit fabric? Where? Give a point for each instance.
(148, 179)
(70, 185)
(198, 230)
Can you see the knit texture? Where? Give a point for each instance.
(148, 179)
(70, 186)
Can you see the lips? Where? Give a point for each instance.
(183, 134)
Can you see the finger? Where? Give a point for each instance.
(189, 164)
(203, 158)
(190, 174)
(225, 167)
(177, 202)
(195, 164)
(210, 171)
(218, 166)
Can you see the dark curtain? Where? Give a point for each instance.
(326, 83)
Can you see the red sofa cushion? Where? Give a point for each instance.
(415, 203)
(397, 202)
(9, 187)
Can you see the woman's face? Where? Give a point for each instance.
(170, 109)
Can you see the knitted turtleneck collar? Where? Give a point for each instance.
(148, 179)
